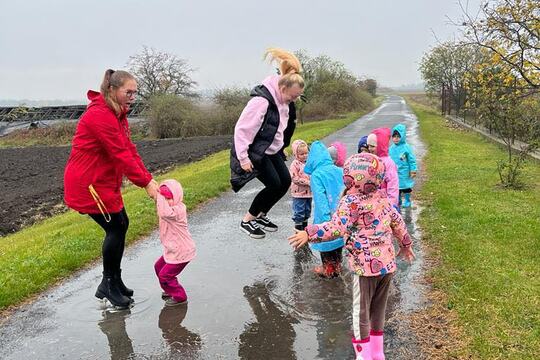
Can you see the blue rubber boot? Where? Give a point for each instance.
(407, 203)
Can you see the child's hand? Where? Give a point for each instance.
(412, 174)
(407, 254)
(299, 239)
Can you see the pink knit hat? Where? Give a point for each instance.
(340, 153)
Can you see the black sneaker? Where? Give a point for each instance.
(266, 224)
(252, 229)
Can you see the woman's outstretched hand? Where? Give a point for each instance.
(299, 239)
(152, 189)
(407, 254)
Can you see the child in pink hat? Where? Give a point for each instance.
(178, 246)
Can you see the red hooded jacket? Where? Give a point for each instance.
(101, 154)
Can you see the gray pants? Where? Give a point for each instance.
(370, 294)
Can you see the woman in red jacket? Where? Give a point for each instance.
(101, 155)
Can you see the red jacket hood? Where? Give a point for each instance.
(383, 140)
(96, 99)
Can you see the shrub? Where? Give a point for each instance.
(229, 103)
(174, 116)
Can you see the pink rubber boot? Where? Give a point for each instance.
(362, 349)
(377, 345)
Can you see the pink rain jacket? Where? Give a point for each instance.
(178, 246)
(391, 179)
(300, 180)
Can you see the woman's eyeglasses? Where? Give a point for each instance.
(132, 94)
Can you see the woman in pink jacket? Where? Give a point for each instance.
(263, 130)
(178, 246)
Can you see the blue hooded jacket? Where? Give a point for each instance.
(326, 180)
(403, 156)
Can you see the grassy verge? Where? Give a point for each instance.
(36, 257)
(486, 241)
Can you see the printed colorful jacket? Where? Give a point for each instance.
(403, 156)
(366, 219)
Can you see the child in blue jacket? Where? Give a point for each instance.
(403, 156)
(326, 181)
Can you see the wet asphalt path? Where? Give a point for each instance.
(248, 298)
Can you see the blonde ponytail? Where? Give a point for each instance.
(289, 67)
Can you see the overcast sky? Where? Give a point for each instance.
(57, 49)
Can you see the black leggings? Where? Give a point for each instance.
(275, 176)
(115, 240)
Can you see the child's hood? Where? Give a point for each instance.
(176, 189)
(362, 143)
(363, 173)
(402, 130)
(295, 145)
(341, 152)
(318, 156)
(383, 140)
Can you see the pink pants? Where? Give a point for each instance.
(167, 274)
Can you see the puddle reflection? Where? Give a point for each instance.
(271, 335)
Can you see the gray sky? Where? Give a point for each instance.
(57, 49)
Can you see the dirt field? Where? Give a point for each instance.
(31, 178)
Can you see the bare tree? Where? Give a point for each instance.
(161, 73)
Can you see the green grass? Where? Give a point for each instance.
(487, 238)
(36, 257)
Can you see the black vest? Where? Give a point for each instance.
(263, 139)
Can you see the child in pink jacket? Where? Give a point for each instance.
(378, 143)
(178, 246)
(300, 189)
(366, 219)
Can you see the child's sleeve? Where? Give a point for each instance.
(297, 176)
(333, 229)
(411, 158)
(399, 229)
(164, 210)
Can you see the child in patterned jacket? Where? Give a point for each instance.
(367, 220)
